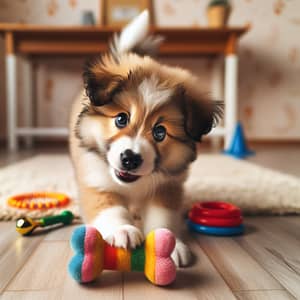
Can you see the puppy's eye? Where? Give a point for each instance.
(121, 120)
(159, 132)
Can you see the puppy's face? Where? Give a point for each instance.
(141, 123)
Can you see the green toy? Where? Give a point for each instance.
(26, 225)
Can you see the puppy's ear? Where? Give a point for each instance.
(100, 85)
(201, 115)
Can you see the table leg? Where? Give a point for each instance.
(231, 78)
(11, 91)
(11, 96)
(28, 94)
(217, 87)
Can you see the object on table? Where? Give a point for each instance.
(121, 12)
(238, 147)
(93, 255)
(216, 218)
(38, 200)
(87, 18)
(26, 225)
(218, 12)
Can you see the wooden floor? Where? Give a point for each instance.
(264, 263)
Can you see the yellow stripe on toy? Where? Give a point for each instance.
(123, 259)
(98, 255)
(150, 257)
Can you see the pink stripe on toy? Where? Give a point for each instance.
(165, 269)
(87, 269)
(164, 242)
(88, 266)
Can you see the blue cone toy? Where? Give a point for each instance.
(238, 147)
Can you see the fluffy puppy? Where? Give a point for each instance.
(133, 134)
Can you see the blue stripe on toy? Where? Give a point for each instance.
(211, 230)
(77, 244)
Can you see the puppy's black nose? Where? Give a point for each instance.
(130, 160)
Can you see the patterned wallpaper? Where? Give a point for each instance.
(269, 70)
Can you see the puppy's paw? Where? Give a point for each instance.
(125, 236)
(181, 255)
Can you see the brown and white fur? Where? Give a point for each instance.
(151, 95)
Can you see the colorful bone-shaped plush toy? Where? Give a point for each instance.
(93, 254)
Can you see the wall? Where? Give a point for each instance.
(269, 93)
(57, 81)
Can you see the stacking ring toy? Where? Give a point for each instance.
(217, 222)
(38, 200)
(216, 209)
(212, 230)
(93, 254)
(216, 218)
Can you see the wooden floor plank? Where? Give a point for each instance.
(278, 253)
(239, 269)
(60, 233)
(8, 236)
(200, 281)
(107, 287)
(263, 295)
(45, 269)
(12, 261)
(290, 225)
(31, 295)
(295, 220)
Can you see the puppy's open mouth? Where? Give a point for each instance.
(126, 177)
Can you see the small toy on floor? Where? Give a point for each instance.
(238, 147)
(216, 218)
(93, 255)
(38, 200)
(26, 225)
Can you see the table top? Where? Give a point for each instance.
(17, 27)
(46, 39)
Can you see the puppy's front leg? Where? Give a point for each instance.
(164, 212)
(107, 212)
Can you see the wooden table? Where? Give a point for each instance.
(38, 40)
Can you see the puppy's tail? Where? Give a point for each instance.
(135, 38)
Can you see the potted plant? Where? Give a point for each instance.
(218, 12)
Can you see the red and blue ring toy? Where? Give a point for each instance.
(216, 218)
(216, 209)
(217, 222)
(212, 230)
